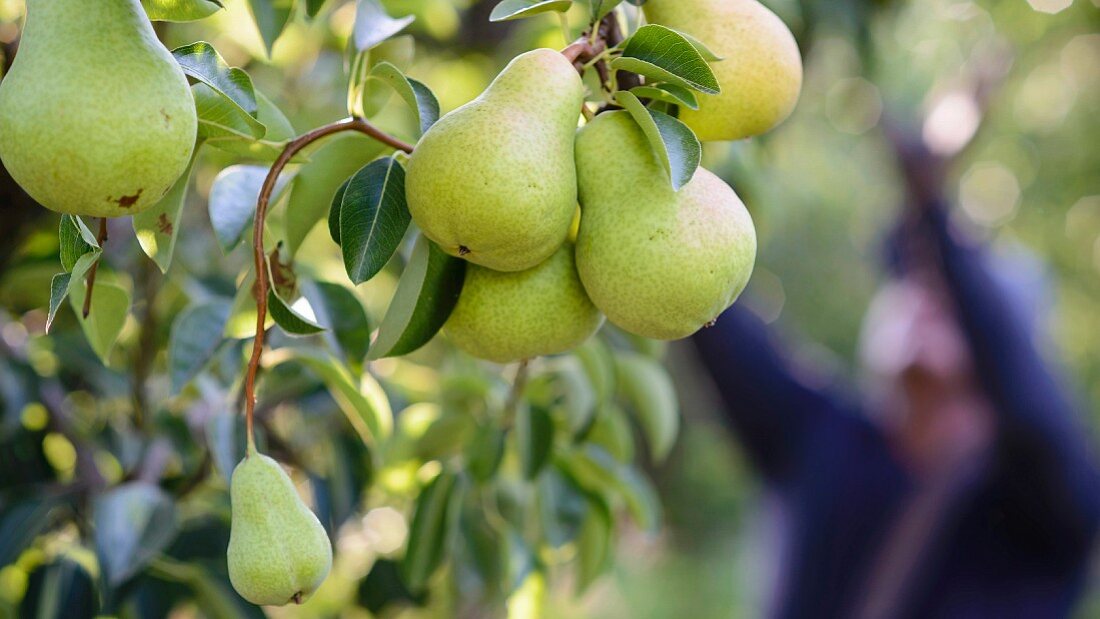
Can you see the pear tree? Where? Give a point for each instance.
(531, 250)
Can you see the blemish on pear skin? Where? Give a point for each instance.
(163, 224)
(463, 250)
(710, 324)
(297, 598)
(128, 201)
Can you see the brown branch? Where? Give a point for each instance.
(259, 255)
(101, 239)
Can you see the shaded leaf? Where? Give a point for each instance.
(59, 289)
(436, 512)
(373, 218)
(485, 451)
(426, 295)
(373, 25)
(534, 439)
(221, 119)
(157, 228)
(196, 336)
(415, 94)
(518, 9)
(317, 181)
(290, 320)
(673, 143)
(334, 212)
(133, 523)
(271, 18)
(342, 314)
(602, 7)
(593, 544)
(60, 588)
(664, 55)
(20, 524)
(75, 239)
(232, 201)
(648, 387)
(597, 472)
(278, 132)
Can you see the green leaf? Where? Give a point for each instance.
(242, 318)
(75, 239)
(63, 587)
(518, 9)
(371, 94)
(157, 228)
(602, 7)
(334, 212)
(341, 313)
(611, 432)
(373, 218)
(485, 452)
(271, 18)
(290, 320)
(365, 405)
(664, 55)
(279, 132)
(415, 94)
(595, 357)
(595, 471)
(21, 521)
(201, 61)
(110, 306)
(669, 93)
(593, 544)
(673, 143)
(373, 25)
(196, 336)
(426, 295)
(534, 439)
(316, 182)
(313, 7)
(133, 522)
(433, 522)
(648, 388)
(700, 47)
(221, 119)
(180, 10)
(232, 201)
(59, 289)
(576, 394)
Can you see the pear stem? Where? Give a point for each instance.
(101, 238)
(260, 290)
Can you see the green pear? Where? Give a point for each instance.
(278, 550)
(760, 72)
(506, 317)
(494, 181)
(96, 117)
(659, 263)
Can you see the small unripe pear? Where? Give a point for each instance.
(96, 117)
(760, 72)
(506, 317)
(278, 550)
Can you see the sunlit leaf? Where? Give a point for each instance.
(664, 55)
(158, 227)
(415, 94)
(201, 61)
(669, 93)
(518, 9)
(75, 240)
(109, 309)
(271, 18)
(290, 320)
(373, 25)
(673, 143)
(180, 10)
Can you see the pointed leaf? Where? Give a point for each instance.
(664, 55)
(232, 201)
(373, 25)
(196, 336)
(669, 93)
(426, 295)
(59, 289)
(673, 143)
(534, 439)
(373, 218)
(436, 511)
(109, 309)
(180, 10)
(648, 388)
(334, 212)
(271, 18)
(133, 523)
(221, 119)
(278, 132)
(291, 321)
(593, 544)
(371, 94)
(201, 61)
(518, 9)
(158, 227)
(415, 94)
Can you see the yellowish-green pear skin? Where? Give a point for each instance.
(507, 317)
(761, 70)
(278, 550)
(96, 118)
(494, 181)
(659, 263)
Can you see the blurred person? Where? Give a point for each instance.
(959, 485)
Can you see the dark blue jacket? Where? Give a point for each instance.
(1013, 535)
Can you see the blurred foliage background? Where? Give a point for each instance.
(823, 189)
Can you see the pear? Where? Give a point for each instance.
(96, 117)
(494, 181)
(760, 73)
(659, 263)
(278, 550)
(506, 317)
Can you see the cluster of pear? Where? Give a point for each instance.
(497, 182)
(96, 117)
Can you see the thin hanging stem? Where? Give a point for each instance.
(101, 238)
(259, 256)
